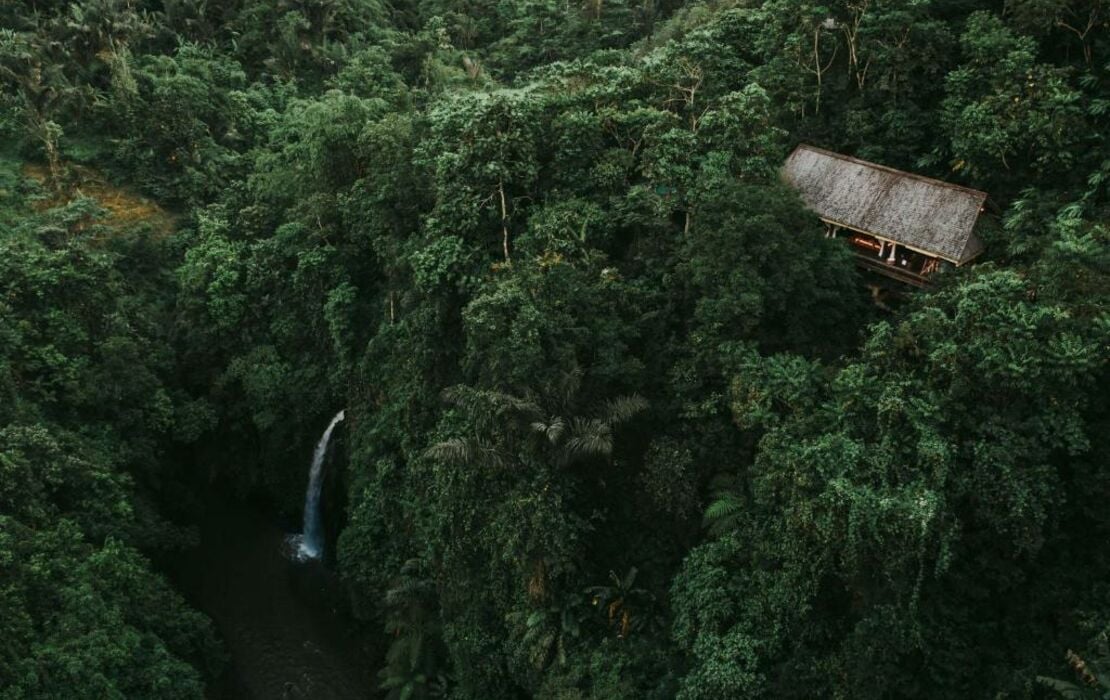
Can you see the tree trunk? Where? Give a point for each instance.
(49, 134)
(504, 221)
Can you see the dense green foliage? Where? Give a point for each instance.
(621, 423)
(86, 417)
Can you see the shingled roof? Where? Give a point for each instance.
(930, 216)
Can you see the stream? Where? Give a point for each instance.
(280, 620)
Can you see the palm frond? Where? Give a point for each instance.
(553, 429)
(467, 452)
(457, 395)
(490, 401)
(629, 579)
(1064, 689)
(588, 446)
(523, 406)
(568, 386)
(456, 450)
(624, 408)
(407, 591)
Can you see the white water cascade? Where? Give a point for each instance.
(310, 544)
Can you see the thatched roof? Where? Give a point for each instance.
(930, 216)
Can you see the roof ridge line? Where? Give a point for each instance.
(896, 171)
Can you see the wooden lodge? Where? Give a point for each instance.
(901, 225)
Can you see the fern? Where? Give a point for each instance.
(724, 513)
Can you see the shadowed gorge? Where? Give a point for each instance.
(687, 349)
(280, 620)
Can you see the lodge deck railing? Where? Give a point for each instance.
(901, 274)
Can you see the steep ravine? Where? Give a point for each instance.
(280, 620)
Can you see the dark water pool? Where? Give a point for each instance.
(280, 620)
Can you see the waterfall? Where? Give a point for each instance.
(311, 544)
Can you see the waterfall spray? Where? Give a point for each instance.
(311, 544)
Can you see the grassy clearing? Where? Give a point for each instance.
(125, 207)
